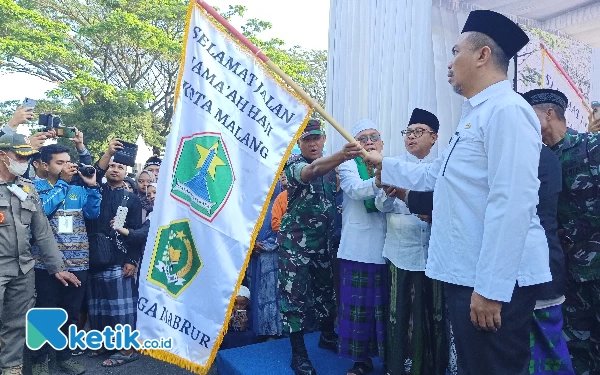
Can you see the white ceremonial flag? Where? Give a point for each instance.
(234, 124)
(554, 77)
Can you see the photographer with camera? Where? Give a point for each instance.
(67, 208)
(85, 158)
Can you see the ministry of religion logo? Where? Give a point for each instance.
(175, 259)
(203, 176)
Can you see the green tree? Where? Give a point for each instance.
(115, 54)
(315, 75)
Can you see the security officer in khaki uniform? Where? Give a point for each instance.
(21, 214)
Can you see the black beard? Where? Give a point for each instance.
(457, 89)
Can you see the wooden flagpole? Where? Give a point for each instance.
(564, 73)
(303, 94)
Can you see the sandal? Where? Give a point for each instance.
(119, 359)
(360, 368)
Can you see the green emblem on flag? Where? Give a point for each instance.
(175, 259)
(203, 176)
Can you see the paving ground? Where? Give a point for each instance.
(143, 366)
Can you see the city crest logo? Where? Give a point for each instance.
(203, 176)
(175, 258)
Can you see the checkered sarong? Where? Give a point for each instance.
(364, 300)
(112, 299)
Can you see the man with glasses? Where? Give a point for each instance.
(416, 325)
(487, 244)
(362, 336)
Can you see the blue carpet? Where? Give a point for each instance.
(273, 358)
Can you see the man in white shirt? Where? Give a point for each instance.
(487, 244)
(416, 330)
(364, 292)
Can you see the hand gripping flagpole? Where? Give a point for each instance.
(256, 51)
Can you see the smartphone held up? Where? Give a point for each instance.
(29, 103)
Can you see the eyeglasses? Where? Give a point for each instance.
(416, 133)
(365, 138)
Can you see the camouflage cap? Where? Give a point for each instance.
(312, 128)
(17, 143)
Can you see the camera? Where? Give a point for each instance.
(51, 122)
(86, 170)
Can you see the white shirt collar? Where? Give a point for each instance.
(413, 159)
(489, 92)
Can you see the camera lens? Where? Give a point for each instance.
(86, 170)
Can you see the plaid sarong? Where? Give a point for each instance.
(364, 299)
(112, 299)
(549, 353)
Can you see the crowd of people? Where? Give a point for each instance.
(483, 260)
(60, 216)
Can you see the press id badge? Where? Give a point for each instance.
(65, 224)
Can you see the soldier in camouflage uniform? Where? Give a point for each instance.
(579, 227)
(305, 261)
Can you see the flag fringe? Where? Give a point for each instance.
(176, 360)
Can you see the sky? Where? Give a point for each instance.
(304, 23)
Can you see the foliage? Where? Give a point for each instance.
(573, 56)
(116, 61)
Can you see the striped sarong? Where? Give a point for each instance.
(112, 299)
(549, 353)
(364, 299)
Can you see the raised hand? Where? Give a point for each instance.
(351, 150)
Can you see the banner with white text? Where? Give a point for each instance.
(234, 123)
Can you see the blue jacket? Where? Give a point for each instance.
(79, 198)
(80, 204)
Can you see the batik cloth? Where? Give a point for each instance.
(262, 275)
(417, 325)
(549, 353)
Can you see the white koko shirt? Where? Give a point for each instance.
(407, 237)
(363, 233)
(485, 232)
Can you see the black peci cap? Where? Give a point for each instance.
(507, 34)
